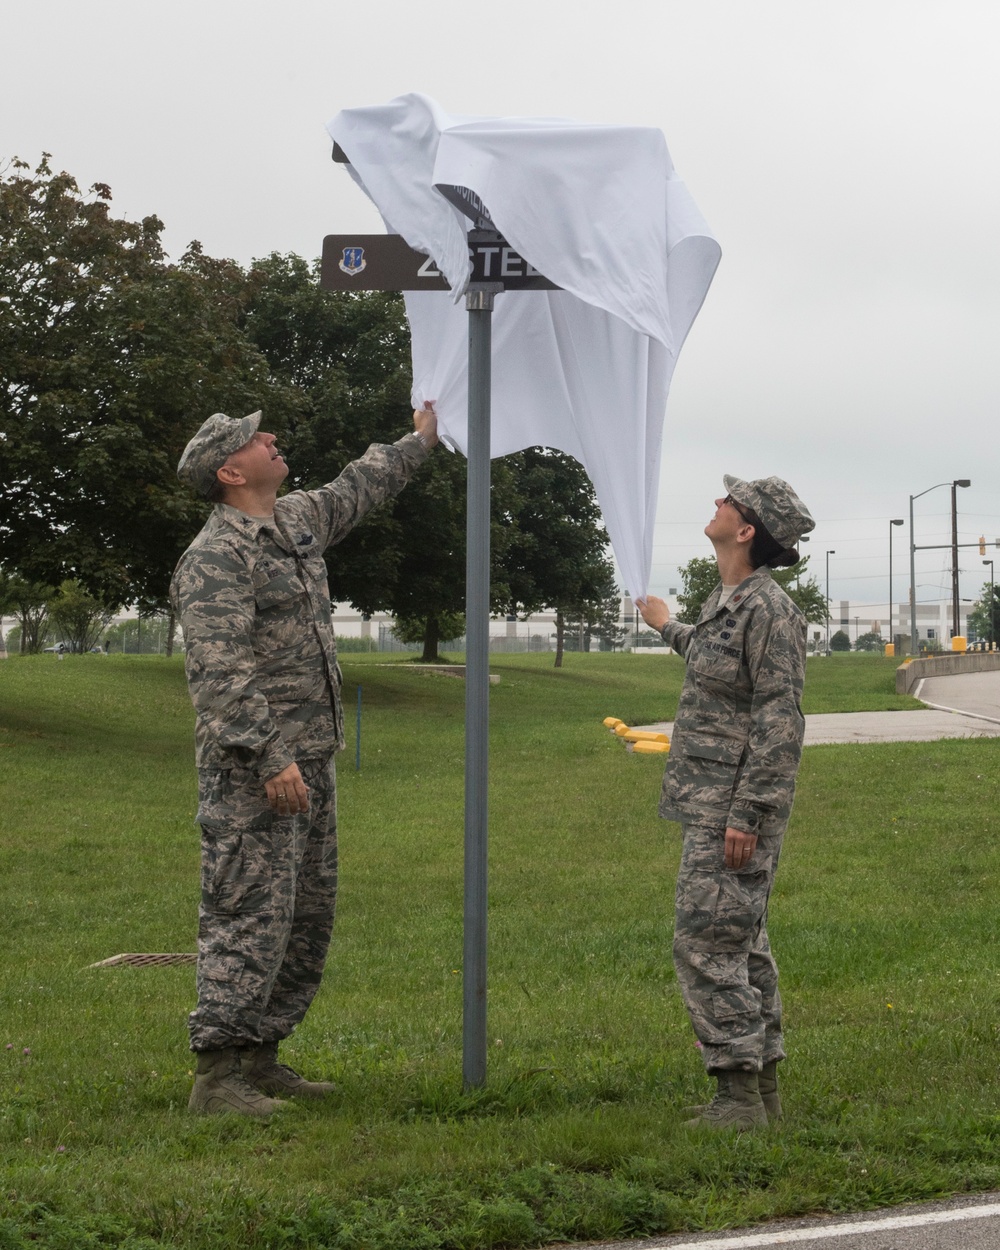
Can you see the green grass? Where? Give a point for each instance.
(884, 922)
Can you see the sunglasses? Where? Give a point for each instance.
(730, 500)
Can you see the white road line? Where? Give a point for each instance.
(940, 707)
(836, 1230)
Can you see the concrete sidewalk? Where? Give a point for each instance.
(922, 726)
(966, 705)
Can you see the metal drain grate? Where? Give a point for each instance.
(142, 961)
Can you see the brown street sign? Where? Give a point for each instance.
(494, 260)
(384, 262)
(376, 262)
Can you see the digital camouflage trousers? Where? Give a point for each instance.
(727, 975)
(268, 893)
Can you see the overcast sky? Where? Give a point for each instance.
(845, 155)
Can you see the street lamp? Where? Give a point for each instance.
(892, 636)
(992, 639)
(828, 555)
(959, 481)
(956, 620)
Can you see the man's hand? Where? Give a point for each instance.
(654, 612)
(425, 423)
(739, 847)
(287, 793)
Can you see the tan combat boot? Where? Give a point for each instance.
(767, 1083)
(219, 1086)
(262, 1069)
(736, 1105)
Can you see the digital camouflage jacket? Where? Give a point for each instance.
(254, 605)
(738, 732)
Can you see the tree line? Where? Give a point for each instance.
(700, 576)
(111, 356)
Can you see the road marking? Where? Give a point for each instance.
(958, 711)
(837, 1230)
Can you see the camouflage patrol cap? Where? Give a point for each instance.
(212, 446)
(781, 511)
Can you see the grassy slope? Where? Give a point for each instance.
(883, 920)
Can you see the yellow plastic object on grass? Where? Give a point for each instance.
(611, 722)
(645, 747)
(645, 735)
(621, 729)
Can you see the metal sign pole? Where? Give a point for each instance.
(385, 263)
(479, 303)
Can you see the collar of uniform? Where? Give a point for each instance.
(748, 589)
(250, 526)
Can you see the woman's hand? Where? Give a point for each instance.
(654, 612)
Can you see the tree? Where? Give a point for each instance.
(147, 634)
(700, 576)
(840, 641)
(868, 642)
(109, 357)
(557, 556)
(984, 619)
(599, 618)
(29, 602)
(79, 616)
(430, 631)
(807, 596)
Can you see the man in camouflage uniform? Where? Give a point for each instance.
(252, 598)
(729, 782)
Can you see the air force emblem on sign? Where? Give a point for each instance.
(354, 260)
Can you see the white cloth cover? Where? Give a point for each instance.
(599, 211)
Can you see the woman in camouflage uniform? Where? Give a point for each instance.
(729, 782)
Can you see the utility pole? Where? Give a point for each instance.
(956, 627)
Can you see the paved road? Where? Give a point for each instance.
(974, 694)
(962, 1224)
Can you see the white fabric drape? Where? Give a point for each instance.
(599, 211)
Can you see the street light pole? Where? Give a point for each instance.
(892, 636)
(956, 621)
(959, 481)
(828, 555)
(990, 618)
